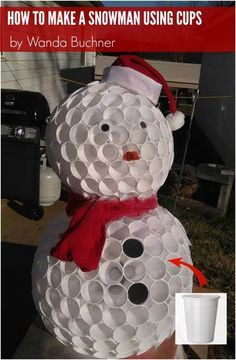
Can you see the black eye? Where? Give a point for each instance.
(105, 127)
(143, 125)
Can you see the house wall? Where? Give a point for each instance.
(40, 71)
(216, 113)
(178, 75)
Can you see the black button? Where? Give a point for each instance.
(143, 125)
(138, 293)
(133, 248)
(105, 127)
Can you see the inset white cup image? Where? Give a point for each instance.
(200, 315)
(200, 318)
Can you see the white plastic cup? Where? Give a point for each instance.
(127, 185)
(54, 276)
(114, 114)
(91, 100)
(162, 148)
(92, 116)
(78, 133)
(127, 346)
(97, 170)
(92, 291)
(71, 285)
(156, 226)
(153, 245)
(114, 317)
(83, 342)
(111, 272)
(148, 151)
(45, 308)
(145, 331)
(53, 297)
(89, 185)
(145, 183)
(119, 135)
(124, 333)
(158, 312)
(138, 168)
(88, 275)
(62, 133)
(131, 114)
(100, 331)
(68, 267)
(108, 153)
(139, 229)
(147, 114)
(69, 151)
(159, 291)
(156, 166)
(59, 318)
(146, 344)
(118, 170)
(112, 249)
(100, 87)
(153, 132)
(91, 313)
(70, 307)
(108, 186)
(111, 99)
(156, 268)
(130, 100)
(71, 104)
(62, 334)
(170, 243)
(200, 315)
(137, 134)
(104, 346)
(60, 115)
(115, 296)
(87, 153)
(96, 136)
(78, 327)
(118, 230)
(134, 270)
(137, 315)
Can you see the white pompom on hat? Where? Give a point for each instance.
(135, 74)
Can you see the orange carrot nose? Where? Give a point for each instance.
(131, 155)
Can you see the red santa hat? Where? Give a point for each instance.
(135, 74)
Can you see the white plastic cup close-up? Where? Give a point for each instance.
(112, 249)
(200, 315)
(92, 291)
(100, 331)
(110, 272)
(108, 153)
(134, 270)
(118, 170)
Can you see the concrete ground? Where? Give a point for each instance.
(20, 230)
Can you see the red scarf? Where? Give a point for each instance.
(84, 239)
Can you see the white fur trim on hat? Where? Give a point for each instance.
(133, 80)
(176, 120)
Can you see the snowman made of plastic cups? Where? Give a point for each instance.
(102, 282)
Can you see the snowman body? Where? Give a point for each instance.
(108, 141)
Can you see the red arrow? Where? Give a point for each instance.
(201, 278)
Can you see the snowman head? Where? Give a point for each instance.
(109, 138)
